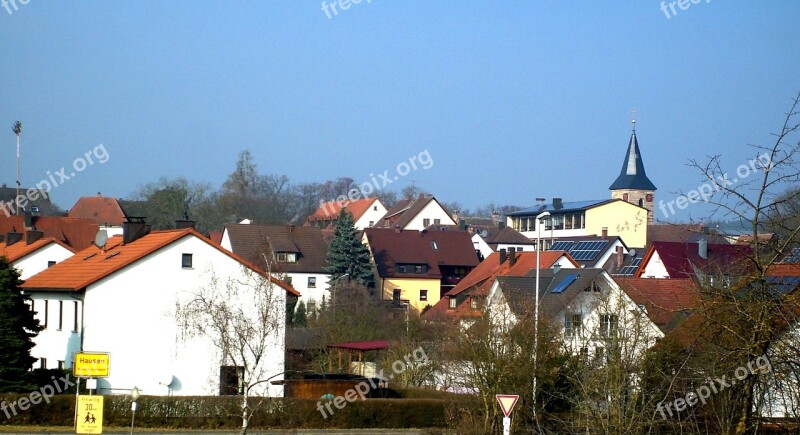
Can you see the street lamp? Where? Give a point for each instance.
(539, 218)
(333, 293)
(134, 398)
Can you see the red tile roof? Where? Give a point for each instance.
(78, 233)
(667, 301)
(92, 264)
(784, 269)
(20, 249)
(362, 346)
(480, 280)
(103, 210)
(681, 259)
(332, 209)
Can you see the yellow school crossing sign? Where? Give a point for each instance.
(90, 415)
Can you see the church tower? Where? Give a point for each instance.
(632, 185)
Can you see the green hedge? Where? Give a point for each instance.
(225, 413)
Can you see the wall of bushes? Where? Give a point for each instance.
(225, 413)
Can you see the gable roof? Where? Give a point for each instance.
(390, 247)
(505, 235)
(632, 175)
(682, 260)
(93, 264)
(332, 209)
(566, 207)
(21, 249)
(8, 196)
(251, 242)
(684, 233)
(77, 233)
(666, 301)
(406, 210)
(103, 210)
(479, 281)
(520, 292)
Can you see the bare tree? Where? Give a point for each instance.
(244, 317)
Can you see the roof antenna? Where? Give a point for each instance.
(633, 119)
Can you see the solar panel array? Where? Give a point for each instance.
(561, 246)
(587, 251)
(568, 279)
(780, 285)
(631, 269)
(794, 257)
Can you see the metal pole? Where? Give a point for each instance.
(536, 316)
(133, 416)
(506, 426)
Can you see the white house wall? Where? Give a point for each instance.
(431, 211)
(374, 214)
(131, 315)
(60, 339)
(655, 268)
(36, 262)
(311, 295)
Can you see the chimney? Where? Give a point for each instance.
(496, 217)
(556, 269)
(456, 217)
(620, 258)
(702, 249)
(462, 224)
(32, 236)
(397, 229)
(557, 204)
(512, 256)
(181, 224)
(502, 256)
(540, 201)
(12, 238)
(28, 220)
(604, 233)
(134, 230)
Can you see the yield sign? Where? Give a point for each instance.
(507, 402)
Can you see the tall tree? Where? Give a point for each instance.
(347, 255)
(18, 327)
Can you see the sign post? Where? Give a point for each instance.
(507, 403)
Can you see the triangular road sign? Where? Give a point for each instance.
(507, 402)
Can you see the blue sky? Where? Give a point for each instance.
(513, 100)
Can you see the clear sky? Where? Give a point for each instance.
(512, 100)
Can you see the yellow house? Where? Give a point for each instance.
(418, 267)
(616, 217)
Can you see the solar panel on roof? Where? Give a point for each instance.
(794, 257)
(565, 282)
(631, 269)
(561, 246)
(587, 251)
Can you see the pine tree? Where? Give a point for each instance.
(17, 329)
(300, 314)
(347, 255)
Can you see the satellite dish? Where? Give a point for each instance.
(484, 234)
(101, 238)
(632, 253)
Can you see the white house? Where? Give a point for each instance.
(34, 254)
(295, 254)
(124, 298)
(416, 214)
(366, 213)
(493, 239)
(587, 304)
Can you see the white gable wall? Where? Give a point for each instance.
(374, 214)
(36, 262)
(654, 268)
(432, 211)
(131, 314)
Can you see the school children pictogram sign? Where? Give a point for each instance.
(90, 415)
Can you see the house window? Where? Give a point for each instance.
(230, 380)
(599, 353)
(460, 271)
(558, 221)
(435, 246)
(572, 324)
(423, 295)
(473, 302)
(396, 294)
(61, 365)
(624, 196)
(60, 314)
(312, 282)
(75, 316)
(452, 303)
(50, 264)
(46, 313)
(608, 324)
(584, 353)
(371, 223)
(186, 261)
(426, 223)
(401, 268)
(42, 363)
(286, 257)
(421, 268)
(437, 221)
(375, 207)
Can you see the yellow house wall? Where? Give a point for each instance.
(622, 219)
(409, 289)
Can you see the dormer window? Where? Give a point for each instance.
(286, 257)
(452, 303)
